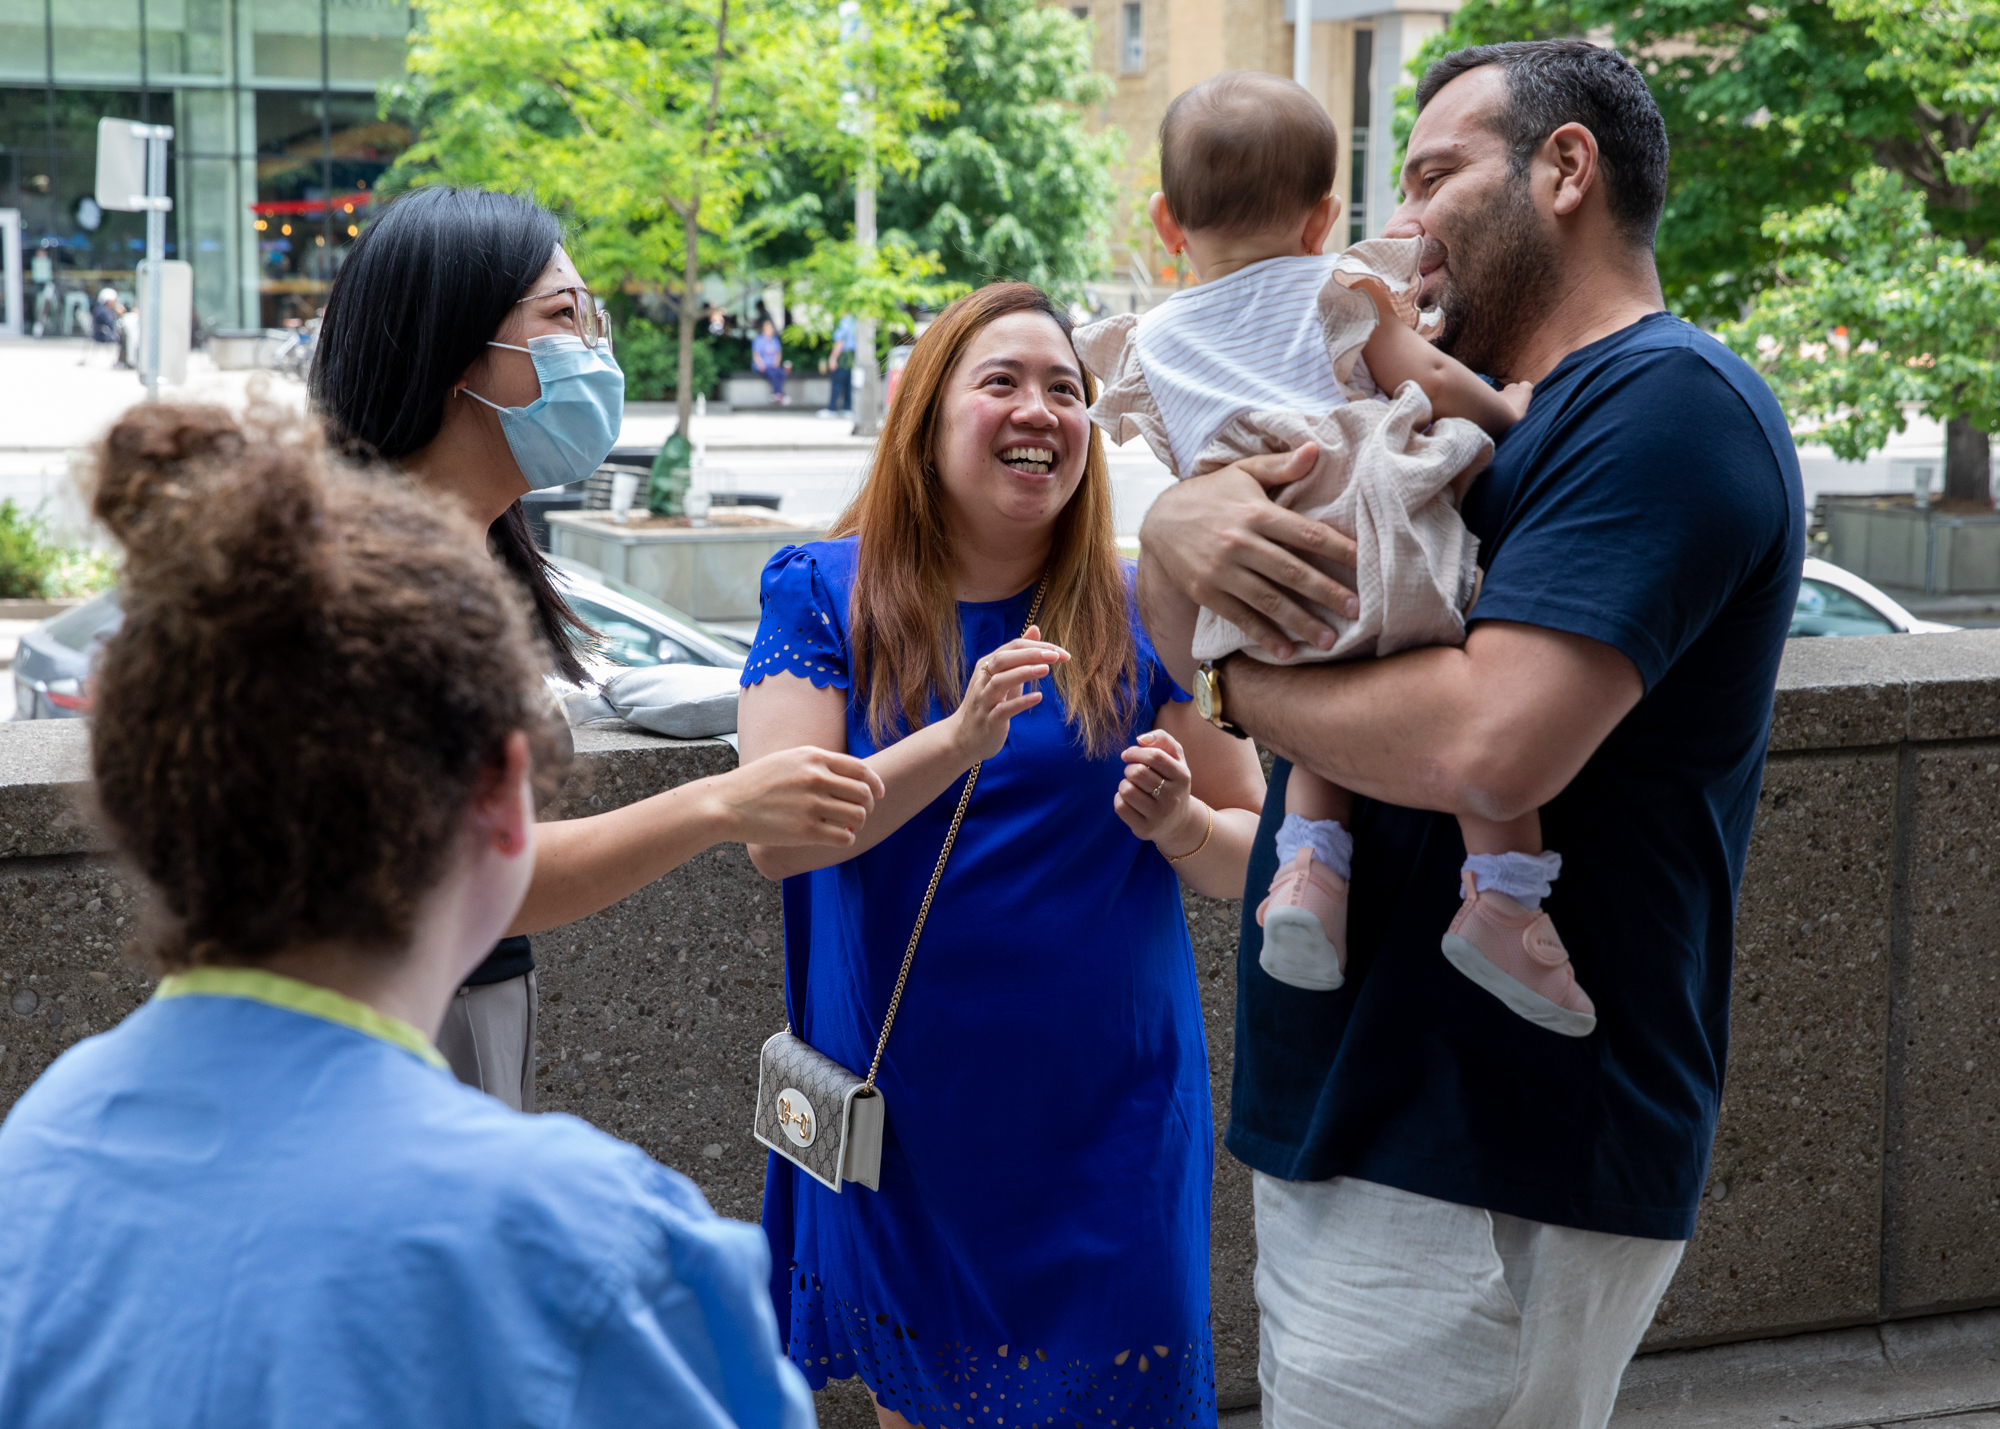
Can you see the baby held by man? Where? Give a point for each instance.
(1278, 345)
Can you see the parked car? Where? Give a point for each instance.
(52, 668)
(1833, 601)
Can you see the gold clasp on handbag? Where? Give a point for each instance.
(797, 1124)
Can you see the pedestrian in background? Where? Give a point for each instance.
(459, 344)
(767, 355)
(1040, 1241)
(260, 1199)
(839, 366)
(104, 315)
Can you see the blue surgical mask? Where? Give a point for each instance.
(566, 433)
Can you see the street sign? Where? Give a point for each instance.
(121, 164)
(132, 178)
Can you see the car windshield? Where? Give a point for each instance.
(624, 641)
(1828, 610)
(78, 628)
(652, 602)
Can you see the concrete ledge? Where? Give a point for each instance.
(1884, 689)
(1854, 1178)
(1843, 1379)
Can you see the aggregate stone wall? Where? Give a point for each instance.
(1857, 1164)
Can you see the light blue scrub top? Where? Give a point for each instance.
(258, 1202)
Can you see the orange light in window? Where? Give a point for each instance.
(261, 225)
(321, 240)
(352, 231)
(286, 230)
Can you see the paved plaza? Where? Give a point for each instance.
(57, 396)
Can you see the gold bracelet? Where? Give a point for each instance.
(1204, 838)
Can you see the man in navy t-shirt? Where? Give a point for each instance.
(1464, 1218)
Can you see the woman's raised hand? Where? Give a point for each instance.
(1157, 793)
(800, 795)
(998, 690)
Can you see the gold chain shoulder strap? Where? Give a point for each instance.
(950, 837)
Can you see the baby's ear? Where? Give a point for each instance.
(1165, 224)
(1319, 224)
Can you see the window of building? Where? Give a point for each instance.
(1082, 12)
(1364, 94)
(1132, 49)
(275, 130)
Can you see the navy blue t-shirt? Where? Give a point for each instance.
(1650, 499)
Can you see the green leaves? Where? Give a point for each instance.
(1871, 314)
(628, 117)
(888, 284)
(1010, 185)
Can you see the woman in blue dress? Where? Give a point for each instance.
(1038, 1250)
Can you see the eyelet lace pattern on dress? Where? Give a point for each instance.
(796, 635)
(1010, 1386)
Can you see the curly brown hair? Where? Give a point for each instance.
(317, 669)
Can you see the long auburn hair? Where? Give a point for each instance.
(903, 622)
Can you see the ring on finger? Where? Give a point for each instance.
(1161, 785)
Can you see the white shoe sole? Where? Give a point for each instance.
(1522, 1001)
(1296, 951)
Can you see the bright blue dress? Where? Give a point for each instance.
(1038, 1252)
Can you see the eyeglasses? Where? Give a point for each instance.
(593, 323)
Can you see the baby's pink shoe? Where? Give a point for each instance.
(1516, 955)
(1304, 919)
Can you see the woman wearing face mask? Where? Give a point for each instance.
(459, 344)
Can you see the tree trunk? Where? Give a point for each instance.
(1968, 462)
(690, 296)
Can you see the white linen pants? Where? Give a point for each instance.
(1382, 1309)
(488, 1037)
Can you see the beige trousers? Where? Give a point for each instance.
(1381, 1309)
(489, 1038)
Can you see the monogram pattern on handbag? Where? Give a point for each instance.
(790, 1065)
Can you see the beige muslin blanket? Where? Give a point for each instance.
(1269, 358)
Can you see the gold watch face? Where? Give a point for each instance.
(1207, 694)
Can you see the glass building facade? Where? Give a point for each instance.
(277, 144)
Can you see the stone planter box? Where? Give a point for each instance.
(711, 572)
(240, 349)
(1893, 542)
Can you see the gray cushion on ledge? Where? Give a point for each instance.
(684, 701)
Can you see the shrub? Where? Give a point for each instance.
(649, 354)
(25, 557)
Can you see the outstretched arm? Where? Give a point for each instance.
(817, 797)
(1397, 355)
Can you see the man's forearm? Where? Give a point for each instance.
(1493, 729)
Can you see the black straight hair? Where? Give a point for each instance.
(429, 281)
(1551, 83)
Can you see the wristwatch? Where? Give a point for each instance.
(1208, 698)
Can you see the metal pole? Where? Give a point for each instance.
(1302, 30)
(867, 377)
(157, 204)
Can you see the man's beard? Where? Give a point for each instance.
(1498, 285)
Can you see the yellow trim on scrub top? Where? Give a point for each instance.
(309, 999)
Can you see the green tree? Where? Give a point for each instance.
(1870, 313)
(1007, 183)
(1774, 108)
(1011, 184)
(655, 124)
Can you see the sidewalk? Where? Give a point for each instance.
(50, 407)
(1941, 1370)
